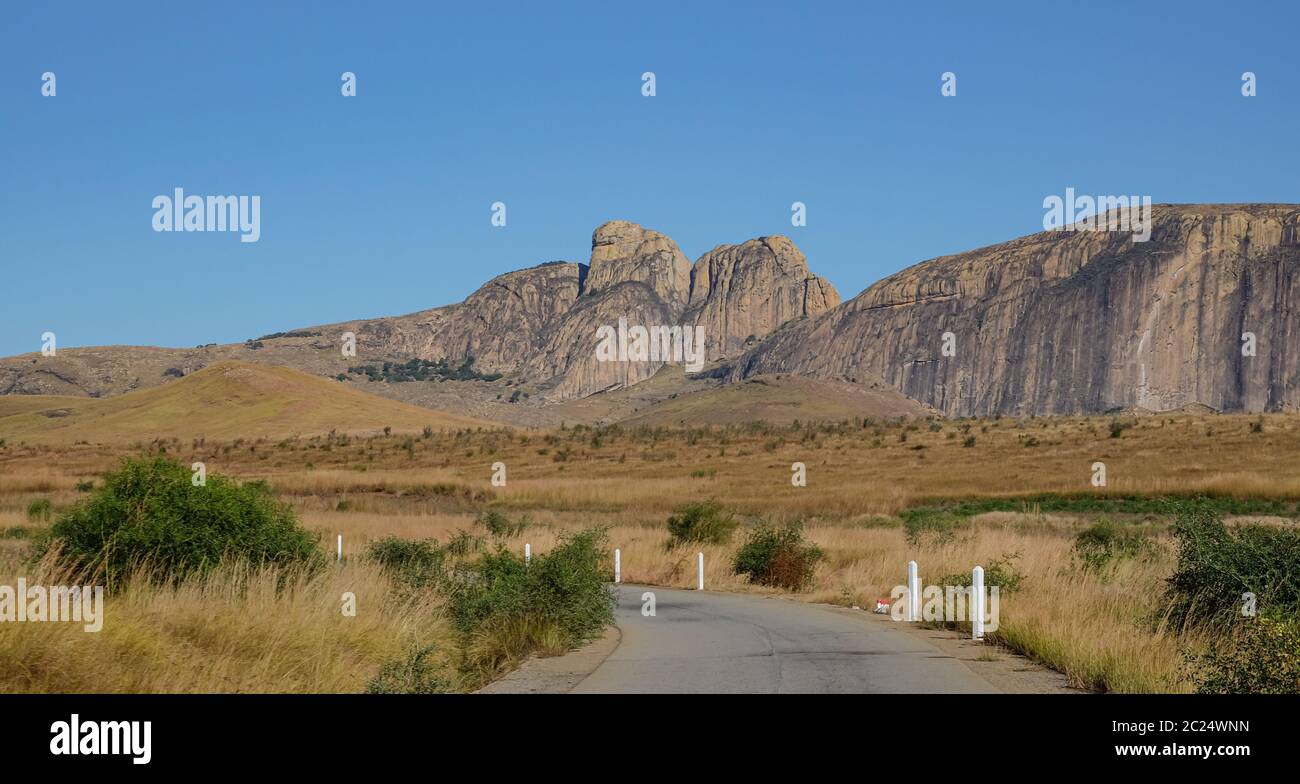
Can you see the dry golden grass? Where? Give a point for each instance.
(236, 630)
(1094, 628)
(223, 400)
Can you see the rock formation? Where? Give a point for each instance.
(1063, 322)
(536, 327)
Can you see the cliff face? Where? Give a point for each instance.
(1063, 322)
(734, 293)
(741, 293)
(501, 325)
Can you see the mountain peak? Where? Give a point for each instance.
(623, 251)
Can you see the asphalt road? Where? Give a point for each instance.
(703, 642)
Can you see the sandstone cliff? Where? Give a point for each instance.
(1058, 322)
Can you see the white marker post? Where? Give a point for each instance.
(340, 547)
(913, 593)
(528, 554)
(977, 603)
(699, 567)
(618, 566)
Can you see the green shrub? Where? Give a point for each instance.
(564, 587)
(464, 543)
(420, 563)
(148, 510)
(1000, 572)
(498, 524)
(920, 525)
(39, 510)
(706, 523)
(777, 557)
(1259, 656)
(418, 673)
(1105, 542)
(1216, 566)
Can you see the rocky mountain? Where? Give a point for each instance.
(1205, 313)
(524, 339)
(1077, 322)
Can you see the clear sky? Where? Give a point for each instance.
(380, 204)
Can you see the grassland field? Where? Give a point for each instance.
(1020, 490)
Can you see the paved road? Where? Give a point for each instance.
(720, 643)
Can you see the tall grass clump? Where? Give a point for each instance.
(149, 510)
(929, 525)
(236, 628)
(500, 525)
(1105, 543)
(705, 522)
(39, 510)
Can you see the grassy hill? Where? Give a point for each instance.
(222, 401)
(779, 400)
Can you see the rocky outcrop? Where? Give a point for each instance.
(568, 368)
(623, 251)
(501, 326)
(1062, 323)
(741, 293)
(535, 327)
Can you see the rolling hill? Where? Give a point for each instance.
(778, 400)
(222, 401)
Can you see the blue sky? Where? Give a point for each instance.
(380, 204)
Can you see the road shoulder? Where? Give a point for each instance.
(557, 674)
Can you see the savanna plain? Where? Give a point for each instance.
(1128, 587)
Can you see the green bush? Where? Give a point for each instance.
(1118, 426)
(705, 522)
(498, 524)
(464, 543)
(1000, 572)
(419, 563)
(933, 524)
(1216, 566)
(1105, 542)
(777, 557)
(1259, 656)
(39, 510)
(416, 674)
(564, 587)
(148, 510)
